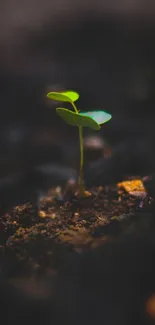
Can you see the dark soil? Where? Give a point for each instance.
(41, 252)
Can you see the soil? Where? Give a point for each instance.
(36, 244)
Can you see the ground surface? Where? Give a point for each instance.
(79, 224)
(36, 245)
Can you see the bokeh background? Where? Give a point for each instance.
(105, 50)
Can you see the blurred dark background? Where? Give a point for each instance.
(105, 50)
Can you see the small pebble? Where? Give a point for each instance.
(100, 188)
(53, 216)
(42, 214)
(87, 194)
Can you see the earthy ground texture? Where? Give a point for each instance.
(51, 257)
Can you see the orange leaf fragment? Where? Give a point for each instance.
(150, 306)
(134, 187)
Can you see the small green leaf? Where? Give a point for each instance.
(99, 117)
(75, 119)
(72, 95)
(65, 96)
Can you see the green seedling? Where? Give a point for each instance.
(92, 119)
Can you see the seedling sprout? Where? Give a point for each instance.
(92, 119)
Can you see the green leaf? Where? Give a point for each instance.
(75, 119)
(99, 117)
(65, 96)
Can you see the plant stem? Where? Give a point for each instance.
(81, 188)
(75, 109)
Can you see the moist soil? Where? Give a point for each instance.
(36, 243)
